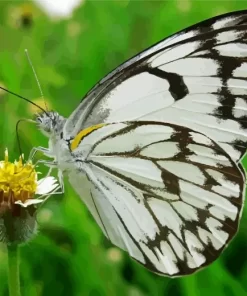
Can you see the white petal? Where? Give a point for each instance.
(46, 185)
(28, 202)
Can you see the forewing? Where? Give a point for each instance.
(168, 195)
(196, 78)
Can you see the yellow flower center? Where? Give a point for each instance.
(18, 181)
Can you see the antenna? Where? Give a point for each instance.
(36, 77)
(25, 99)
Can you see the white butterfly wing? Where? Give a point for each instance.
(169, 196)
(196, 78)
(104, 214)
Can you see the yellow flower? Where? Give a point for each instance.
(20, 191)
(19, 184)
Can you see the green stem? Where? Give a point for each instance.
(13, 270)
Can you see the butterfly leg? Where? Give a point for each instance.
(49, 163)
(45, 151)
(54, 192)
(52, 165)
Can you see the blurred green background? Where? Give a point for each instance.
(70, 256)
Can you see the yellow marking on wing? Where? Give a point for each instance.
(78, 138)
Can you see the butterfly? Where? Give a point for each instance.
(154, 149)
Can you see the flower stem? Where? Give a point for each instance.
(13, 270)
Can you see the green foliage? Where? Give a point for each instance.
(70, 256)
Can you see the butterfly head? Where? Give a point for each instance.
(50, 123)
